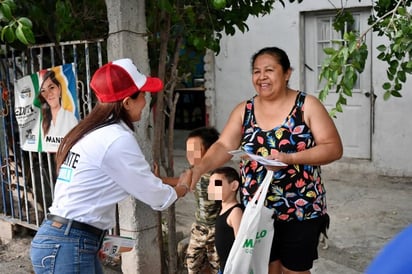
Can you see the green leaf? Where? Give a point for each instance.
(396, 93)
(20, 35)
(323, 94)
(349, 78)
(28, 33)
(381, 56)
(386, 95)
(347, 91)
(342, 99)
(386, 86)
(25, 22)
(408, 67)
(389, 75)
(339, 107)
(3, 33)
(393, 66)
(329, 51)
(346, 52)
(335, 75)
(7, 34)
(381, 48)
(324, 74)
(219, 4)
(6, 10)
(332, 113)
(402, 11)
(402, 76)
(10, 3)
(338, 88)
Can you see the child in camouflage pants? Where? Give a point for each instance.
(201, 255)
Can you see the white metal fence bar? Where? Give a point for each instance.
(27, 178)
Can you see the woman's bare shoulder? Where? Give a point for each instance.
(239, 110)
(311, 97)
(241, 105)
(312, 102)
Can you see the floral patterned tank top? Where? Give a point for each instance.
(296, 191)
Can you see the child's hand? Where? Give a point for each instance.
(156, 169)
(185, 178)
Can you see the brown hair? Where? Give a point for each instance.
(45, 107)
(102, 114)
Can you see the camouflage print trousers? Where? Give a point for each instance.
(201, 255)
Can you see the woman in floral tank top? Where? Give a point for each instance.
(292, 127)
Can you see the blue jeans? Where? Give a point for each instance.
(64, 250)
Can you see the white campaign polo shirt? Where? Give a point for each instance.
(104, 167)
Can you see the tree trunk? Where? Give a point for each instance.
(127, 38)
(160, 142)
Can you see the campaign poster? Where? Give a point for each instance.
(46, 107)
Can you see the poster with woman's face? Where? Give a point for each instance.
(46, 107)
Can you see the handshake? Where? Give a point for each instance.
(181, 184)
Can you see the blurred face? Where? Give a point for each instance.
(220, 188)
(214, 189)
(268, 76)
(194, 150)
(51, 93)
(134, 106)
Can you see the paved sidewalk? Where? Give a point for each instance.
(366, 212)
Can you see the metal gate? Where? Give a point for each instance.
(27, 178)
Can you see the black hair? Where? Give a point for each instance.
(134, 95)
(277, 53)
(209, 135)
(230, 173)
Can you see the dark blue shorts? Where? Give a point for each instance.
(295, 243)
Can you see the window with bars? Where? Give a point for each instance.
(328, 37)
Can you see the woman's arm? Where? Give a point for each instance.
(328, 143)
(229, 139)
(171, 181)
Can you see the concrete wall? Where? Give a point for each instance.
(391, 142)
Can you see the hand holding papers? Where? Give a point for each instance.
(260, 159)
(112, 247)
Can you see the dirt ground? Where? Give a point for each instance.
(366, 212)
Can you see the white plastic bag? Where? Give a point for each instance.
(251, 249)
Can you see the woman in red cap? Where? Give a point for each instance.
(99, 163)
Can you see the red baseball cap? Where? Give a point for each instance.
(118, 79)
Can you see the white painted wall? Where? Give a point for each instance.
(391, 140)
